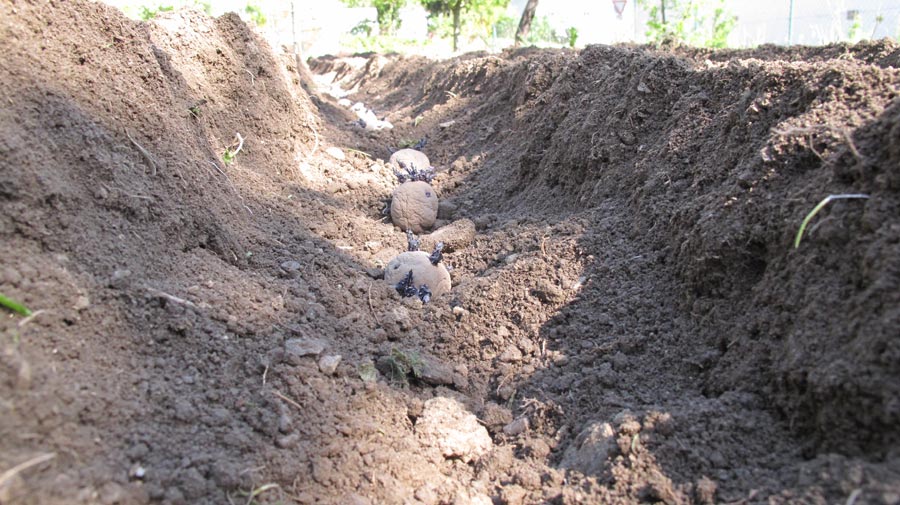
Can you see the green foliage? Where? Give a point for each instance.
(723, 24)
(853, 31)
(470, 19)
(387, 12)
(383, 44)
(256, 14)
(229, 155)
(693, 22)
(572, 35)
(363, 28)
(147, 13)
(14, 306)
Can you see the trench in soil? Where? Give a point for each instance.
(628, 320)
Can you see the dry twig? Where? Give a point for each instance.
(143, 151)
(8, 475)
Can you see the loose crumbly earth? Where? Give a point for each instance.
(630, 322)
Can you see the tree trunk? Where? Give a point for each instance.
(662, 9)
(525, 22)
(457, 7)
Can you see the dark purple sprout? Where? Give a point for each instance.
(424, 293)
(411, 173)
(437, 255)
(412, 243)
(406, 287)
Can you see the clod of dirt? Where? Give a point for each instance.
(455, 236)
(414, 206)
(410, 158)
(436, 277)
(447, 426)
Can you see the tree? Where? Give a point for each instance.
(695, 22)
(525, 22)
(482, 14)
(387, 13)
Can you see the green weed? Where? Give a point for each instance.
(14, 306)
(825, 201)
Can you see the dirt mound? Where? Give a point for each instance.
(628, 322)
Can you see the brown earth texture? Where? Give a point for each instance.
(629, 322)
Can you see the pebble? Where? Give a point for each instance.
(290, 266)
(590, 451)
(336, 153)
(300, 347)
(81, 302)
(518, 426)
(137, 472)
(328, 364)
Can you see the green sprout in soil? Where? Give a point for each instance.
(255, 492)
(232, 151)
(195, 109)
(825, 201)
(14, 306)
(403, 364)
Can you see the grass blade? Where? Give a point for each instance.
(14, 306)
(825, 201)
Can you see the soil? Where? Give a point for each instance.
(629, 321)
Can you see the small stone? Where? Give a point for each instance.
(299, 347)
(81, 302)
(590, 451)
(642, 88)
(328, 364)
(447, 124)
(518, 426)
(336, 153)
(137, 472)
(290, 266)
